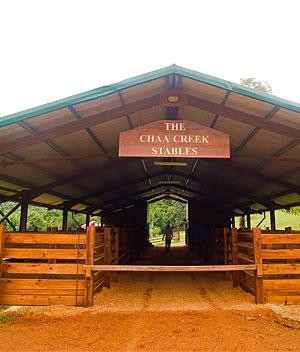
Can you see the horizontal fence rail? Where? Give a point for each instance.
(169, 268)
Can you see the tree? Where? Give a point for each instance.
(251, 82)
(163, 212)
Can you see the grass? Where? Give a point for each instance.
(6, 317)
(283, 219)
(158, 242)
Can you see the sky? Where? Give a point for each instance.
(53, 49)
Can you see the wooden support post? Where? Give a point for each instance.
(226, 232)
(258, 275)
(233, 222)
(235, 256)
(107, 254)
(65, 218)
(89, 276)
(2, 242)
(87, 220)
(272, 217)
(24, 211)
(115, 275)
(249, 221)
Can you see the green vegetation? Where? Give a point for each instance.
(251, 82)
(163, 212)
(284, 219)
(42, 218)
(6, 317)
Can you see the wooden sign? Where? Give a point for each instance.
(174, 138)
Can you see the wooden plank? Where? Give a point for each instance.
(2, 241)
(43, 268)
(248, 245)
(40, 300)
(281, 253)
(89, 279)
(280, 238)
(41, 284)
(244, 259)
(279, 269)
(107, 254)
(171, 268)
(283, 284)
(38, 238)
(235, 256)
(24, 253)
(245, 237)
(258, 276)
(282, 299)
(115, 275)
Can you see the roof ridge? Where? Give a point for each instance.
(105, 90)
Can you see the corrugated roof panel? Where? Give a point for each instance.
(258, 144)
(108, 132)
(146, 116)
(203, 90)
(143, 91)
(49, 199)
(237, 130)
(196, 115)
(287, 117)
(288, 199)
(51, 119)
(248, 105)
(78, 143)
(97, 106)
(12, 132)
(26, 174)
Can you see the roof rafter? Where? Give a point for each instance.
(244, 117)
(258, 176)
(77, 125)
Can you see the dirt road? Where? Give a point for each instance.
(155, 312)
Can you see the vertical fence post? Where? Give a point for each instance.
(235, 256)
(115, 275)
(2, 240)
(107, 254)
(89, 276)
(226, 232)
(258, 275)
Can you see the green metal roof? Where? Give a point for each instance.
(113, 88)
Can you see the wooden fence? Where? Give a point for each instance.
(277, 258)
(68, 268)
(48, 268)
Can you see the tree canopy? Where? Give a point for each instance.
(42, 218)
(252, 82)
(164, 212)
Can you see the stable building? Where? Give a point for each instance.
(224, 149)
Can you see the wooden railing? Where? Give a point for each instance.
(42, 269)
(47, 268)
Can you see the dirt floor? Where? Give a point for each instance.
(157, 312)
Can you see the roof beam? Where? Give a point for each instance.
(258, 176)
(223, 103)
(149, 189)
(35, 192)
(75, 201)
(77, 125)
(232, 190)
(251, 135)
(244, 117)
